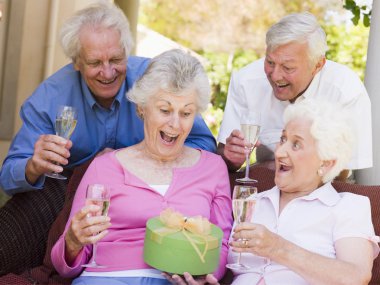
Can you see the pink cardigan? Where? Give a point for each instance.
(202, 189)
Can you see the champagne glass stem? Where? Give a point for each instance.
(247, 165)
(239, 257)
(94, 253)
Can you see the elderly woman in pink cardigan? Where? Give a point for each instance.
(158, 173)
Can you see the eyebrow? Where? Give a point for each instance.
(192, 103)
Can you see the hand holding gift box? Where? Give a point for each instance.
(176, 244)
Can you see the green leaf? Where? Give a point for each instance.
(366, 20)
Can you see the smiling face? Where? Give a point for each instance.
(297, 160)
(168, 120)
(102, 63)
(289, 70)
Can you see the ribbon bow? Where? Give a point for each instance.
(197, 225)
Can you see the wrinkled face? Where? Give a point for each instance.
(168, 120)
(297, 160)
(289, 70)
(102, 63)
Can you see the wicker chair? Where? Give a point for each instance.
(38, 270)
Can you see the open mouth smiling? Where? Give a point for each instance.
(282, 85)
(107, 82)
(168, 138)
(284, 167)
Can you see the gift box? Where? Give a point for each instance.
(176, 244)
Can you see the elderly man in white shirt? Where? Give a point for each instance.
(294, 69)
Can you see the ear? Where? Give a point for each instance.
(140, 112)
(321, 62)
(76, 65)
(327, 165)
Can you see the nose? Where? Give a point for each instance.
(174, 121)
(108, 71)
(280, 151)
(276, 73)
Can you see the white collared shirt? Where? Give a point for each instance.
(314, 222)
(249, 87)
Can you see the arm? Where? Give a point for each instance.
(230, 138)
(353, 263)
(31, 150)
(220, 212)
(74, 246)
(233, 151)
(200, 136)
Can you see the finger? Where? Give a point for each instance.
(237, 133)
(178, 280)
(53, 139)
(245, 226)
(211, 279)
(190, 280)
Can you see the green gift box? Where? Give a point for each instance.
(179, 250)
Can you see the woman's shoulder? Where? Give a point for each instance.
(211, 157)
(353, 203)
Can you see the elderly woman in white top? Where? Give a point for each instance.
(304, 231)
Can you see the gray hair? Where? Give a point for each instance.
(331, 129)
(102, 14)
(301, 28)
(176, 72)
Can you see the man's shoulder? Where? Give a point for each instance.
(334, 69)
(253, 70)
(137, 64)
(60, 83)
(252, 75)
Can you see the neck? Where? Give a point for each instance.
(160, 160)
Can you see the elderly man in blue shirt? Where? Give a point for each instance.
(95, 84)
(98, 41)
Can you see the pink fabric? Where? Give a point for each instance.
(202, 189)
(261, 282)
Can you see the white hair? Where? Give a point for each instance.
(176, 72)
(102, 14)
(331, 129)
(300, 28)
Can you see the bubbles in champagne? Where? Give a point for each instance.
(251, 134)
(64, 127)
(243, 209)
(103, 204)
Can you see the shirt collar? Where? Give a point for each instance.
(312, 88)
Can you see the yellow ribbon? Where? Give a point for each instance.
(198, 226)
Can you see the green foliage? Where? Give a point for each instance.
(348, 45)
(219, 68)
(358, 11)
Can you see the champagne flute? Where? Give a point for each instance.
(250, 126)
(65, 123)
(97, 194)
(243, 206)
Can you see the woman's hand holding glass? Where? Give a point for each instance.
(90, 224)
(258, 240)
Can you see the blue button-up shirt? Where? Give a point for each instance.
(97, 127)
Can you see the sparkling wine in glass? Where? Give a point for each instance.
(250, 123)
(243, 207)
(97, 194)
(65, 123)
